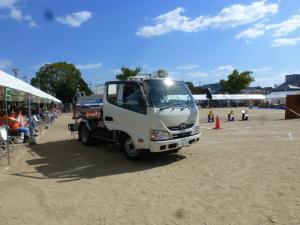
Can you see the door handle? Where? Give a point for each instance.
(108, 118)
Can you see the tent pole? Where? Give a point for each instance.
(29, 118)
(7, 140)
(29, 109)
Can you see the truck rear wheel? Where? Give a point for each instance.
(85, 135)
(129, 149)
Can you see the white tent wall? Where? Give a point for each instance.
(280, 97)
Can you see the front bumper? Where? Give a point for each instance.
(162, 146)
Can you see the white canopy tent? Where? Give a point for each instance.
(20, 89)
(280, 97)
(231, 97)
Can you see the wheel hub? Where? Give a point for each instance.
(130, 149)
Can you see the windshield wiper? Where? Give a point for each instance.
(187, 106)
(169, 106)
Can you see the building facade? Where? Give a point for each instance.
(293, 79)
(215, 88)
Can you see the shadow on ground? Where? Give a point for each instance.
(70, 161)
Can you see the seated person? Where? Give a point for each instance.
(33, 124)
(244, 115)
(133, 99)
(20, 118)
(15, 126)
(231, 116)
(210, 117)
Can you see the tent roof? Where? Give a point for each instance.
(281, 94)
(9, 81)
(231, 97)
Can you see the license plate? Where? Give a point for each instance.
(183, 143)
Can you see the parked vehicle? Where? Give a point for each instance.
(144, 114)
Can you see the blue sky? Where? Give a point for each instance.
(199, 41)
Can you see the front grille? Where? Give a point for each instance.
(182, 135)
(174, 128)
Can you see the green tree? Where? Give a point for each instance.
(195, 90)
(198, 91)
(60, 79)
(236, 81)
(127, 72)
(190, 85)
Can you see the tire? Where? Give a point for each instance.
(129, 150)
(85, 135)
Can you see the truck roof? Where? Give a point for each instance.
(133, 81)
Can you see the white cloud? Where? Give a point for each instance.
(16, 14)
(75, 19)
(268, 81)
(4, 63)
(37, 67)
(232, 16)
(173, 74)
(210, 75)
(115, 71)
(197, 74)
(187, 67)
(221, 71)
(253, 32)
(243, 14)
(285, 27)
(281, 29)
(89, 66)
(280, 42)
(7, 3)
(261, 70)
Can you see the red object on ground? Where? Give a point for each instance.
(218, 123)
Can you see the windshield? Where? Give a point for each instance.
(167, 93)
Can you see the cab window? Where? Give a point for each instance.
(133, 99)
(128, 96)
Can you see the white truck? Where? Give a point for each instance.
(143, 115)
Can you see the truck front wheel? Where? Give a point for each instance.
(129, 149)
(85, 135)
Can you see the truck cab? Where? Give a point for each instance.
(142, 115)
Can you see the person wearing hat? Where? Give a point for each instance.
(230, 116)
(210, 117)
(245, 115)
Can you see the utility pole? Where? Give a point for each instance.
(15, 71)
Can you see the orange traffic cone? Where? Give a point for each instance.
(218, 123)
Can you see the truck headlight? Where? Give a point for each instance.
(196, 129)
(159, 135)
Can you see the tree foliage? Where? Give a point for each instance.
(236, 81)
(127, 72)
(60, 79)
(193, 89)
(190, 85)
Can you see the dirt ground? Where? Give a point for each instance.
(246, 173)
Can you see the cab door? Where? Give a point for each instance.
(125, 109)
